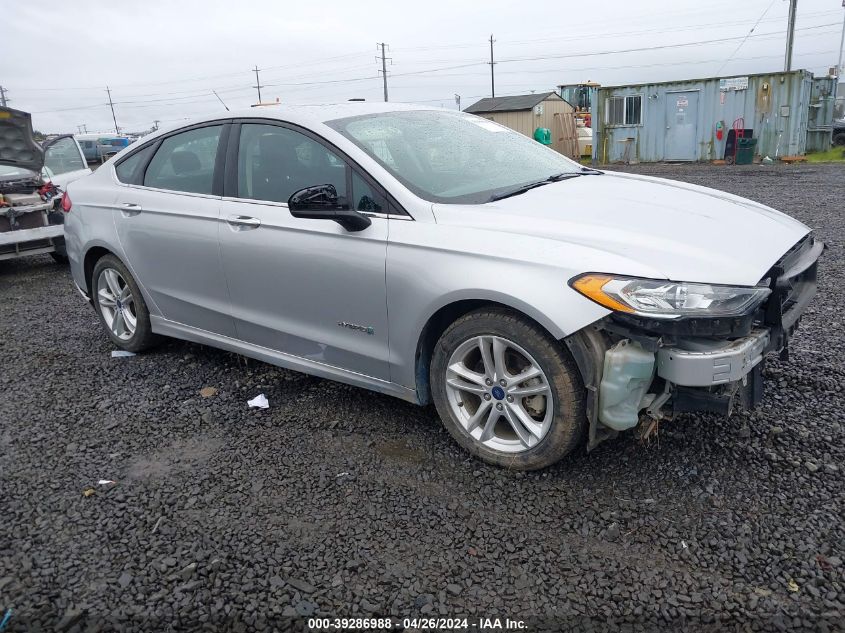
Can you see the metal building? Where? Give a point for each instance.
(789, 113)
(526, 113)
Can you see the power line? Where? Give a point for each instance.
(745, 39)
(659, 47)
(191, 96)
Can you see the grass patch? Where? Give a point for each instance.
(833, 155)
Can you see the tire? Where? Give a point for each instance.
(108, 271)
(60, 254)
(839, 139)
(557, 417)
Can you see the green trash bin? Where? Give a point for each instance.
(745, 149)
(543, 135)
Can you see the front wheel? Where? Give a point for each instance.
(120, 305)
(507, 391)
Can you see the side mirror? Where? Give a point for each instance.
(320, 202)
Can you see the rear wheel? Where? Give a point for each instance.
(120, 305)
(507, 391)
(839, 139)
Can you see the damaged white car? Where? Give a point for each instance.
(32, 178)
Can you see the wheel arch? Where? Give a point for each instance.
(92, 256)
(447, 314)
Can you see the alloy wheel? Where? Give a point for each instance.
(117, 304)
(499, 394)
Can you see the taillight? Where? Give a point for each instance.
(67, 205)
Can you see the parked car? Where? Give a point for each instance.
(839, 132)
(31, 178)
(99, 147)
(531, 299)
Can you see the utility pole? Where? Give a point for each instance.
(3, 93)
(383, 68)
(840, 69)
(257, 85)
(114, 118)
(790, 35)
(458, 97)
(492, 63)
(155, 124)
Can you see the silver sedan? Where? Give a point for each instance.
(438, 257)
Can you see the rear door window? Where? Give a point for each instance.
(185, 161)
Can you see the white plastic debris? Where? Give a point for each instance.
(684, 544)
(119, 353)
(343, 474)
(105, 482)
(259, 401)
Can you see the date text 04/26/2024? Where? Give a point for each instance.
(417, 624)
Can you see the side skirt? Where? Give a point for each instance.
(296, 363)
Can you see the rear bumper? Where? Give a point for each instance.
(31, 235)
(29, 241)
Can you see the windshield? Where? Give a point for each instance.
(452, 157)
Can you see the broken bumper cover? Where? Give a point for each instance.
(31, 235)
(29, 241)
(705, 364)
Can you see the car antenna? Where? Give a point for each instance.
(220, 100)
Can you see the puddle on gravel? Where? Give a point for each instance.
(399, 450)
(182, 455)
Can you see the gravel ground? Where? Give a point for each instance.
(339, 502)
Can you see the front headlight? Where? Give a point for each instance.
(667, 299)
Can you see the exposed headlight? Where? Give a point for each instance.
(667, 299)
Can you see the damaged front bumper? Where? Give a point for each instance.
(696, 363)
(648, 367)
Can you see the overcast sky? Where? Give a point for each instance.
(163, 58)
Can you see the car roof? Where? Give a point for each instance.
(307, 115)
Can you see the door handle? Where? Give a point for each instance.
(128, 209)
(243, 221)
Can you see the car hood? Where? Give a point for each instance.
(682, 231)
(17, 144)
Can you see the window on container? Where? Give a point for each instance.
(624, 110)
(633, 110)
(615, 108)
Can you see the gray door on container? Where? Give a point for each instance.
(681, 141)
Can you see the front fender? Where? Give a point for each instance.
(423, 278)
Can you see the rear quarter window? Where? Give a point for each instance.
(130, 169)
